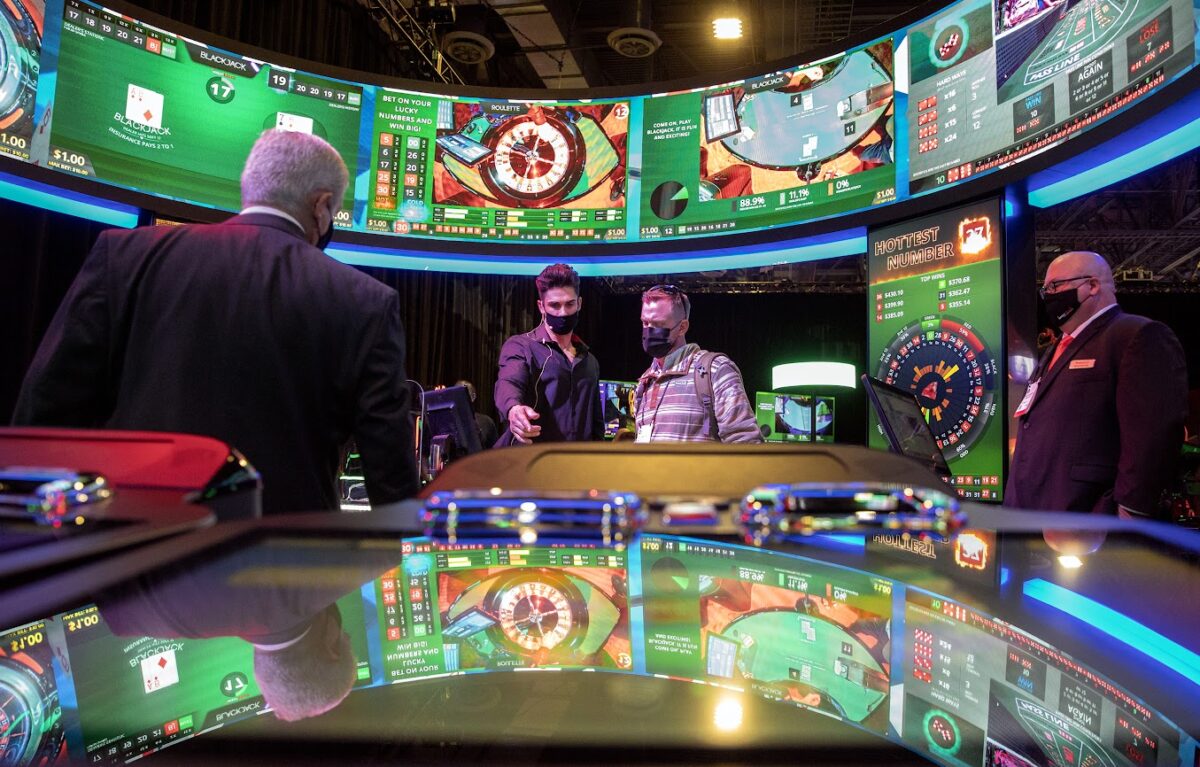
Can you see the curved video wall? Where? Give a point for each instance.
(98, 93)
(956, 685)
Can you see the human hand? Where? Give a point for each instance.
(520, 423)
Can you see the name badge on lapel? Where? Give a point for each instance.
(1082, 364)
(1027, 400)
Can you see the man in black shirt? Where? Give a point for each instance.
(548, 389)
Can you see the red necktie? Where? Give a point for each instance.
(1062, 347)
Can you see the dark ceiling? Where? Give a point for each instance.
(576, 38)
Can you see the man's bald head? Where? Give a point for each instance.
(1086, 274)
(1080, 263)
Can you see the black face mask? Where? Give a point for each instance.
(562, 325)
(325, 237)
(657, 341)
(1061, 306)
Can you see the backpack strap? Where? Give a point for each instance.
(702, 377)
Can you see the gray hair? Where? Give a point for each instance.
(303, 680)
(286, 168)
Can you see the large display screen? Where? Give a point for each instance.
(811, 141)
(92, 91)
(146, 109)
(980, 691)
(794, 417)
(935, 329)
(498, 169)
(993, 81)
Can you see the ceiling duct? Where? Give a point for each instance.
(634, 39)
(468, 42)
(535, 27)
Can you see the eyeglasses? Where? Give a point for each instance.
(672, 290)
(1052, 287)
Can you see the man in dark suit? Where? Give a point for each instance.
(1100, 427)
(244, 331)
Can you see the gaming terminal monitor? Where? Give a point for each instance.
(904, 424)
(448, 412)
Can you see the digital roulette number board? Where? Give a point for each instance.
(935, 329)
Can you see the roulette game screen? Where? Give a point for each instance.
(935, 330)
(450, 608)
(21, 25)
(31, 725)
(480, 169)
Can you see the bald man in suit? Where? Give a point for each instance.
(1100, 427)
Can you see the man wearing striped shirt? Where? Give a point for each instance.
(687, 394)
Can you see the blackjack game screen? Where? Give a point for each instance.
(145, 109)
(811, 141)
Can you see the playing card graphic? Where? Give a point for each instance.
(297, 123)
(159, 671)
(144, 106)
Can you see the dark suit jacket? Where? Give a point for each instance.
(242, 331)
(1107, 422)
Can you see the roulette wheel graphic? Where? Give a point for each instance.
(538, 158)
(539, 614)
(20, 47)
(536, 613)
(948, 366)
(31, 731)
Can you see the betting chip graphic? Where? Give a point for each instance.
(974, 235)
(144, 106)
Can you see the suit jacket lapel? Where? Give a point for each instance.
(1075, 347)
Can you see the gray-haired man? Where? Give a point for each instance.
(244, 331)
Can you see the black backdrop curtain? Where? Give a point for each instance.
(456, 324)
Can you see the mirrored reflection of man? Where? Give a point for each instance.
(1100, 427)
(243, 331)
(687, 394)
(273, 596)
(548, 388)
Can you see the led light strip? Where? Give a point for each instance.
(1120, 627)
